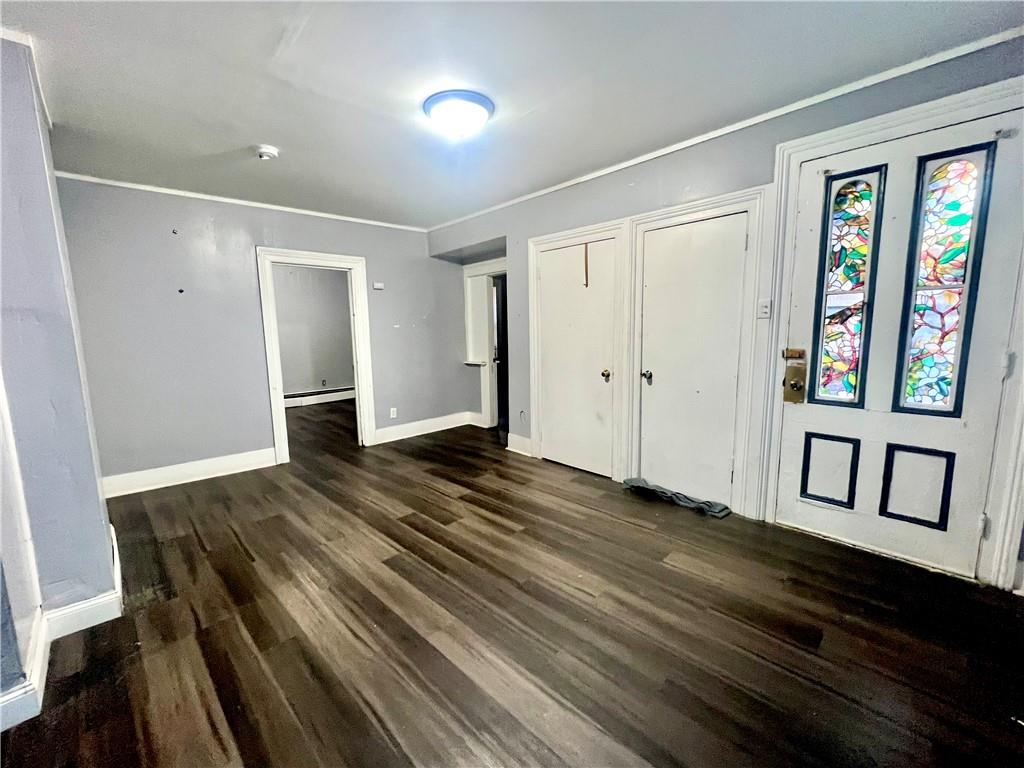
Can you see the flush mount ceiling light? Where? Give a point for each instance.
(457, 115)
(267, 152)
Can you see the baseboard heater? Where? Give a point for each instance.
(319, 392)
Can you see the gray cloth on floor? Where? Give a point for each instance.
(641, 486)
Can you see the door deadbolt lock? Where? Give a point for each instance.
(606, 374)
(794, 382)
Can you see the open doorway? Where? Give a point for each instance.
(307, 363)
(499, 292)
(486, 297)
(314, 329)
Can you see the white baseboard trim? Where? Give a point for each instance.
(478, 420)
(424, 427)
(330, 397)
(520, 444)
(25, 700)
(105, 606)
(175, 474)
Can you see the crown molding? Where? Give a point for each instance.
(23, 38)
(842, 90)
(231, 200)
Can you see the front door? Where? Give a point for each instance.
(690, 340)
(905, 272)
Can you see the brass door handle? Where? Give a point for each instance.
(796, 385)
(606, 374)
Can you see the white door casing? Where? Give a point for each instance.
(266, 257)
(692, 315)
(909, 484)
(477, 291)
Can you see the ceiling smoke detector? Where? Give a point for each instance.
(267, 152)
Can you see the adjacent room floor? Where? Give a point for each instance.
(441, 601)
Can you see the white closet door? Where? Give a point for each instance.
(692, 292)
(576, 295)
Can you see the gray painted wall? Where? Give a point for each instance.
(42, 369)
(726, 164)
(314, 328)
(173, 334)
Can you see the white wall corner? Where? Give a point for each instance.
(519, 444)
(25, 700)
(479, 420)
(424, 427)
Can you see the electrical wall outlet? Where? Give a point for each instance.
(394, 413)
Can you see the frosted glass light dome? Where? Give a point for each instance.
(458, 115)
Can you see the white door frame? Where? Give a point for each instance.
(616, 230)
(488, 370)
(999, 553)
(359, 305)
(746, 454)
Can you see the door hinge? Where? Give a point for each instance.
(984, 525)
(746, 242)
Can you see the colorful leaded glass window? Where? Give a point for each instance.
(947, 234)
(852, 204)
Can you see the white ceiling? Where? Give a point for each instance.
(174, 94)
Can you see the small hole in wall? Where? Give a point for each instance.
(181, 290)
(174, 231)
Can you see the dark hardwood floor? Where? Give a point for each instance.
(440, 601)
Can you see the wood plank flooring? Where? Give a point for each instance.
(443, 602)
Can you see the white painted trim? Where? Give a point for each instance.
(749, 378)
(426, 426)
(232, 201)
(810, 101)
(484, 268)
(330, 397)
(16, 36)
(992, 99)
(519, 444)
(622, 365)
(23, 38)
(69, 619)
(359, 305)
(188, 472)
(25, 700)
(488, 370)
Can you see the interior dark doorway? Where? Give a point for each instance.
(501, 353)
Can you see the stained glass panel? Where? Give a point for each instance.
(948, 229)
(840, 345)
(948, 216)
(849, 218)
(850, 236)
(933, 347)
